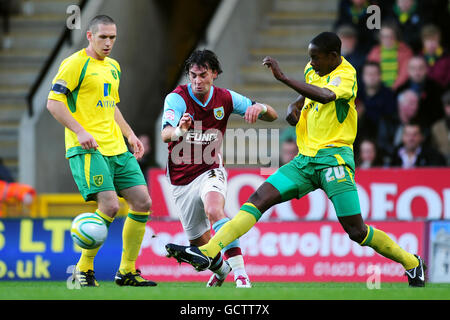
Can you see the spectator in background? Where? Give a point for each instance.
(146, 161)
(407, 16)
(440, 132)
(429, 92)
(437, 12)
(378, 100)
(436, 56)
(414, 152)
(392, 55)
(368, 156)
(391, 130)
(354, 13)
(288, 149)
(350, 48)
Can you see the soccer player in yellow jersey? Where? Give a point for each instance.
(325, 118)
(84, 98)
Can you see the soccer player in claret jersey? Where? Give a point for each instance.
(325, 118)
(84, 97)
(194, 119)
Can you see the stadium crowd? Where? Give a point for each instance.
(403, 99)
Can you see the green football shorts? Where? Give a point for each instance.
(94, 173)
(332, 170)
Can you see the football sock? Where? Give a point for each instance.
(232, 230)
(384, 245)
(218, 266)
(132, 235)
(86, 261)
(107, 219)
(236, 261)
(234, 244)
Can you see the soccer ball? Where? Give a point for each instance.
(88, 231)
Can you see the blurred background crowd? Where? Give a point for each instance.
(403, 100)
(403, 69)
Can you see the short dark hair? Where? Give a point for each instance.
(327, 42)
(372, 64)
(100, 19)
(204, 58)
(415, 123)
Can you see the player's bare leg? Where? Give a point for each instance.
(214, 203)
(366, 235)
(108, 205)
(262, 199)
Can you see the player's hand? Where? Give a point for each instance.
(86, 140)
(293, 115)
(137, 146)
(271, 63)
(252, 113)
(185, 122)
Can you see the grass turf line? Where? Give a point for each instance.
(57, 290)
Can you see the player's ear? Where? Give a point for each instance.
(215, 74)
(89, 35)
(334, 54)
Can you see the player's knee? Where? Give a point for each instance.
(110, 208)
(357, 234)
(265, 197)
(214, 213)
(143, 205)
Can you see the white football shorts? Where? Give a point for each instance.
(189, 200)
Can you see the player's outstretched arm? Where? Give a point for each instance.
(60, 112)
(315, 93)
(294, 110)
(263, 111)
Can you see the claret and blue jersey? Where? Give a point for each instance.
(175, 105)
(208, 128)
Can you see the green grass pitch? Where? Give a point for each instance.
(57, 290)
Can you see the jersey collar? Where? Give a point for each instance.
(191, 93)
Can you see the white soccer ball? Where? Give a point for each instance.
(88, 231)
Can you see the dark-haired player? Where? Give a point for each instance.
(193, 124)
(325, 118)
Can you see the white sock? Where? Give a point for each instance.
(223, 270)
(237, 264)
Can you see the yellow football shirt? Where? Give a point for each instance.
(90, 90)
(332, 124)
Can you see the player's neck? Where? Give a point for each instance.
(202, 97)
(91, 53)
(336, 64)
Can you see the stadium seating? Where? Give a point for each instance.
(35, 29)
